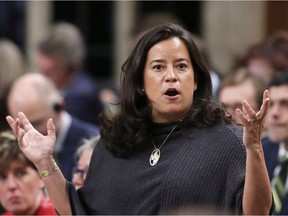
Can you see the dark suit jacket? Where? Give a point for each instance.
(77, 131)
(271, 158)
(82, 99)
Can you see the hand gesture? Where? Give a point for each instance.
(34, 145)
(253, 122)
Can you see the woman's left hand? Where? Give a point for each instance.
(253, 122)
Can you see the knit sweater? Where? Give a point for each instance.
(198, 173)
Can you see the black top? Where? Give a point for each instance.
(202, 173)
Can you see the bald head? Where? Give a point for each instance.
(35, 95)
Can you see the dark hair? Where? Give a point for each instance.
(281, 78)
(10, 151)
(129, 127)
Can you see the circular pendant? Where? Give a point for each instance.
(154, 157)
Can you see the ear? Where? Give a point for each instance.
(195, 86)
(58, 106)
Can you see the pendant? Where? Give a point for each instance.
(154, 157)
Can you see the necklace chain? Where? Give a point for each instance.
(155, 155)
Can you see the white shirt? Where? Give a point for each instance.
(65, 123)
(282, 153)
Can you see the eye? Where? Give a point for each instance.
(284, 103)
(182, 66)
(2, 177)
(20, 173)
(157, 67)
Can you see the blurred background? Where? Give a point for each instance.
(228, 28)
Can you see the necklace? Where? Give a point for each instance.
(156, 154)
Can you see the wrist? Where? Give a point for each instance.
(46, 166)
(255, 152)
(48, 171)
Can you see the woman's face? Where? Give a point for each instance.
(79, 174)
(169, 80)
(20, 189)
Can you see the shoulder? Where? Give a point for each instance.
(79, 125)
(270, 148)
(223, 131)
(224, 137)
(267, 143)
(46, 207)
(83, 84)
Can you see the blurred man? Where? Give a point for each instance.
(38, 98)
(275, 146)
(60, 56)
(238, 86)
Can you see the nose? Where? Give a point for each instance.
(170, 75)
(11, 182)
(77, 180)
(274, 110)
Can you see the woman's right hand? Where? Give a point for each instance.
(35, 146)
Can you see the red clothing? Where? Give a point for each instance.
(46, 208)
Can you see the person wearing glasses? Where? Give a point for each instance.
(82, 158)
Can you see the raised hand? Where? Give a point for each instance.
(35, 146)
(253, 122)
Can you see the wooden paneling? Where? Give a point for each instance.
(277, 16)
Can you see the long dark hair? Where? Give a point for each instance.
(128, 128)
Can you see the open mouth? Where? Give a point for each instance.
(171, 92)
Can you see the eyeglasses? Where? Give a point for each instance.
(232, 107)
(80, 172)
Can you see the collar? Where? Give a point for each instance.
(282, 151)
(65, 123)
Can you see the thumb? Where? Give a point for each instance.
(51, 128)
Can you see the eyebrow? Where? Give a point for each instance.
(162, 60)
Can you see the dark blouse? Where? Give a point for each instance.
(202, 173)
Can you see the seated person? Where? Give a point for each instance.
(238, 86)
(60, 56)
(82, 158)
(37, 96)
(21, 188)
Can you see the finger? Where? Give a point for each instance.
(11, 122)
(264, 108)
(266, 94)
(14, 124)
(241, 117)
(50, 128)
(25, 122)
(19, 133)
(247, 109)
(265, 105)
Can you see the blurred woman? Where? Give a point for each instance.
(82, 158)
(21, 188)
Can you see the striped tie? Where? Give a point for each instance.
(278, 184)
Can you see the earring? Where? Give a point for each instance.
(143, 90)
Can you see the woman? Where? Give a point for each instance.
(82, 159)
(21, 188)
(169, 149)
